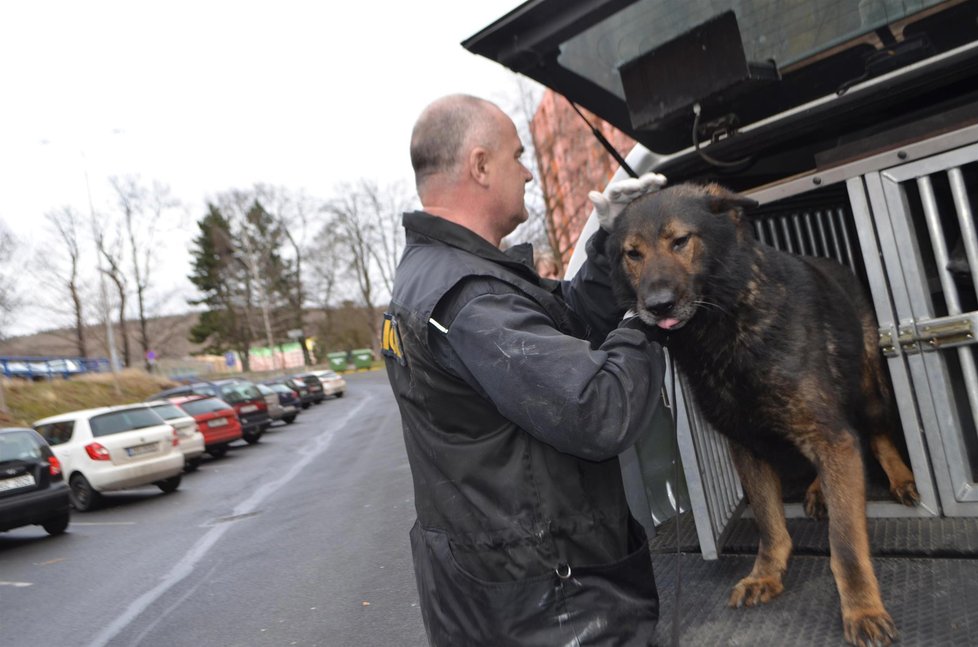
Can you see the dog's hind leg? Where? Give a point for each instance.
(763, 488)
(903, 487)
(840, 469)
(815, 501)
(882, 422)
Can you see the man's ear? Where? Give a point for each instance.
(479, 165)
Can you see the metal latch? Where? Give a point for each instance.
(931, 335)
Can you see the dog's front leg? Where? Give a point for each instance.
(840, 469)
(763, 488)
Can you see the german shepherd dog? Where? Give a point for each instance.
(778, 350)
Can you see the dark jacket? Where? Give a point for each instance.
(516, 395)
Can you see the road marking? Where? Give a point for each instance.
(16, 585)
(186, 565)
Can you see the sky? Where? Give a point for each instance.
(208, 96)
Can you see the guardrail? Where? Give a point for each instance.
(34, 368)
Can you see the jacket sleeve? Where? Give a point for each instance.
(589, 293)
(591, 403)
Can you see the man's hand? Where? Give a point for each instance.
(609, 204)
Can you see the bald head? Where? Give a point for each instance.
(446, 130)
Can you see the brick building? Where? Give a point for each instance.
(571, 162)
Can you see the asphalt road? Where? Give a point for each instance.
(299, 540)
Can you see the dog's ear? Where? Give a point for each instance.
(722, 200)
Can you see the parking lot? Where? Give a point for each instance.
(300, 539)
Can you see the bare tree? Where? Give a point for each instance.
(109, 246)
(366, 222)
(66, 222)
(143, 209)
(292, 210)
(9, 299)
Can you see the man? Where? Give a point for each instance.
(516, 395)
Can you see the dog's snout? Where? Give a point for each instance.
(660, 302)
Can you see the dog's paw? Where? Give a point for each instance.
(815, 502)
(906, 493)
(752, 591)
(869, 628)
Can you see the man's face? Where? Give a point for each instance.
(510, 177)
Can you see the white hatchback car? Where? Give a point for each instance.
(113, 448)
(191, 440)
(333, 382)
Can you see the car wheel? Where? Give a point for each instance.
(169, 485)
(289, 419)
(253, 438)
(217, 450)
(340, 394)
(191, 465)
(57, 525)
(83, 496)
(305, 405)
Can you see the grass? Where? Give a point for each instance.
(30, 401)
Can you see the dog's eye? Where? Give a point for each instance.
(634, 254)
(680, 242)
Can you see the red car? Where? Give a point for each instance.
(215, 418)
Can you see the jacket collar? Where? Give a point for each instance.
(518, 257)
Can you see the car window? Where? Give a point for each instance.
(241, 392)
(264, 390)
(56, 433)
(19, 445)
(203, 389)
(168, 411)
(207, 405)
(119, 421)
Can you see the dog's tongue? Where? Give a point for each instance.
(667, 323)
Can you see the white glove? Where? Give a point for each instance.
(616, 197)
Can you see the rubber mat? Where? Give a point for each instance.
(934, 537)
(931, 600)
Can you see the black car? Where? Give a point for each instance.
(248, 403)
(306, 397)
(197, 388)
(32, 487)
(314, 384)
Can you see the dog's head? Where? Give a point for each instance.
(668, 251)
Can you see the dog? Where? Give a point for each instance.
(778, 351)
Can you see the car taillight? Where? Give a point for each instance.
(97, 452)
(262, 405)
(176, 437)
(54, 465)
(295, 396)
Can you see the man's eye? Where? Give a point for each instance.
(679, 243)
(634, 254)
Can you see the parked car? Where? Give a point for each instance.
(249, 404)
(215, 419)
(306, 397)
(197, 388)
(314, 384)
(32, 486)
(276, 410)
(113, 448)
(191, 440)
(288, 397)
(333, 383)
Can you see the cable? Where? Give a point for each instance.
(696, 144)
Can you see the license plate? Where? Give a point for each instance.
(315, 388)
(248, 408)
(139, 450)
(24, 480)
(217, 422)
